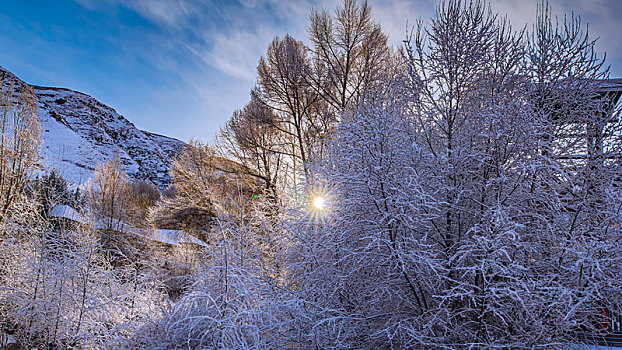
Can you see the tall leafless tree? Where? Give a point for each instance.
(19, 141)
(282, 84)
(108, 196)
(252, 138)
(350, 52)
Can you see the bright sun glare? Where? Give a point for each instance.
(318, 203)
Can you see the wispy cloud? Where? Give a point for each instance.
(167, 12)
(236, 53)
(213, 47)
(171, 13)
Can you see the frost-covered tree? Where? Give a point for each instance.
(237, 299)
(581, 128)
(58, 289)
(455, 221)
(113, 201)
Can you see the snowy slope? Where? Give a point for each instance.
(79, 132)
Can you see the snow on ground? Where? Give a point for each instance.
(172, 237)
(67, 212)
(175, 237)
(66, 151)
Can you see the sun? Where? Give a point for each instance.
(318, 203)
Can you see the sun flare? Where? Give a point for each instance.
(318, 203)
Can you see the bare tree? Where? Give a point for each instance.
(203, 185)
(283, 85)
(19, 141)
(251, 138)
(141, 197)
(109, 195)
(350, 52)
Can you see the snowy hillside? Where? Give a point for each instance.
(79, 132)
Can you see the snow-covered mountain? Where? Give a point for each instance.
(79, 132)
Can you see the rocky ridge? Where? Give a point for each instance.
(80, 132)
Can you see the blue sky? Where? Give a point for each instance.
(181, 67)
